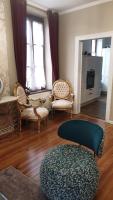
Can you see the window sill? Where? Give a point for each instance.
(40, 91)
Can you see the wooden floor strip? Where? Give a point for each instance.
(25, 151)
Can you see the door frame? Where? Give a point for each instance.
(78, 71)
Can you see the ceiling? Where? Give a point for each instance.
(62, 5)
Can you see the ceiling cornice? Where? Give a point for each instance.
(35, 5)
(84, 6)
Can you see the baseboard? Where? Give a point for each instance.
(88, 102)
(110, 122)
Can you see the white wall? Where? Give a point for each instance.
(83, 22)
(10, 46)
(3, 50)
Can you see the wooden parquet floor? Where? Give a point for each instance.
(95, 109)
(25, 151)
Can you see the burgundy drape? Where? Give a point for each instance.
(53, 32)
(18, 11)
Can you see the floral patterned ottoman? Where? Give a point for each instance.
(69, 172)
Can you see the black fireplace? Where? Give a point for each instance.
(90, 80)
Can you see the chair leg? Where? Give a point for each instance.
(46, 121)
(34, 127)
(71, 114)
(20, 125)
(39, 126)
(52, 113)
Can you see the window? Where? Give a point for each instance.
(93, 47)
(35, 73)
(99, 47)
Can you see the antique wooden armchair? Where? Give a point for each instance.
(62, 96)
(26, 110)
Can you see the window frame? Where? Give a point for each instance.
(93, 53)
(39, 20)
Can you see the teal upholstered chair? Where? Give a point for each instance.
(83, 132)
(69, 172)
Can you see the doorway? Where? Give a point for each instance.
(90, 75)
(94, 83)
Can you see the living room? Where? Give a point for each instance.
(24, 149)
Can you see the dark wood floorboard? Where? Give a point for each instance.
(96, 108)
(25, 151)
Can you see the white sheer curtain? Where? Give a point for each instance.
(35, 56)
(105, 68)
(105, 53)
(99, 47)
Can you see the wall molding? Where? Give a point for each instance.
(36, 5)
(84, 6)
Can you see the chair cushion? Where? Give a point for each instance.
(62, 104)
(29, 113)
